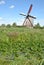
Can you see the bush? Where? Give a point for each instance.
(8, 25)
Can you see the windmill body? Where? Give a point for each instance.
(28, 22)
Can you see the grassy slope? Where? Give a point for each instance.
(21, 46)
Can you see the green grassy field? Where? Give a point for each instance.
(21, 46)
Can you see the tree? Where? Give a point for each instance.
(3, 25)
(14, 24)
(37, 26)
(8, 25)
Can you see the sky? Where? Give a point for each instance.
(10, 10)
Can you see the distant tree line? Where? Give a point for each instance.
(8, 25)
(37, 26)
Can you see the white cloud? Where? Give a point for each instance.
(41, 22)
(2, 2)
(12, 6)
(20, 21)
(1, 18)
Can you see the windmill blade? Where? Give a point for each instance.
(32, 16)
(30, 21)
(30, 9)
(23, 14)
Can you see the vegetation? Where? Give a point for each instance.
(8, 25)
(3, 25)
(21, 46)
(14, 24)
(38, 26)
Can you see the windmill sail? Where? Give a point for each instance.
(29, 9)
(28, 18)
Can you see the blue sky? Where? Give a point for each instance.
(10, 10)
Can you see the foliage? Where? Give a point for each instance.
(3, 25)
(8, 25)
(14, 24)
(37, 26)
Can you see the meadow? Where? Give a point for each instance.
(21, 46)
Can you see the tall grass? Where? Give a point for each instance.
(21, 46)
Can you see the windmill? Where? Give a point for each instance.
(28, 18)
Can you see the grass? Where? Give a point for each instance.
(21, 46)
